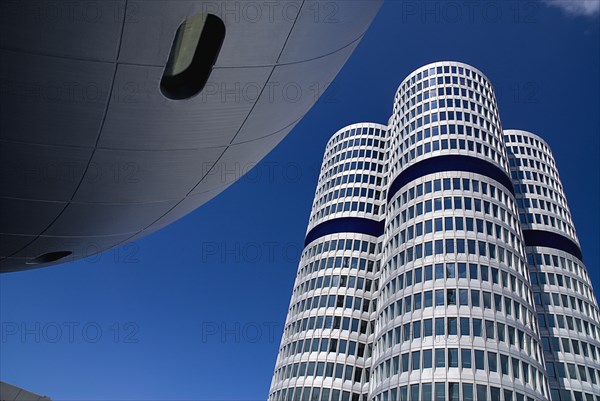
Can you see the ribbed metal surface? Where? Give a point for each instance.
(93, 155)
(8, 392)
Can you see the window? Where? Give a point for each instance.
(467, 391)
(428, 299)
(440, 391)
(49, 257)
(414, 392)
(465, 355)
(462, 267)
(439, 326)
(482, 392)
(405, 362)
(495, 393)
(440, 360)
(453, 391)
(427, 328)
(489, 329)
(516, 370)
(453, 358)
(504, 364)
(426, 392)
(473, 271)
(465, 329)
(427, 359)
(193, 54)
(439, 271)
(451, 294)
(452, 326)
(439, 297)
(417, 329)
(428, 269)
(492, 362)
(479, 360)
(416, 360)
(475, 298)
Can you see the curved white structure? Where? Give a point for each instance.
(457, 320)
(567, 308)
(328, 334)
(105, 136)
(478, 288)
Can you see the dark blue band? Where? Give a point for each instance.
(345, 225)
(449, 163)
(549, 239)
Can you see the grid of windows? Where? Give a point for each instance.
(455, 292)
(540, 194)
(328, 332)
(567, 309)
(450, 391)
(455, 299)
(351, 176)
(326, 349)
(441, 108)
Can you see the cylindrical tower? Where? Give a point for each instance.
(564, 298)
(455, 318)
(325, 352)
(441, 262)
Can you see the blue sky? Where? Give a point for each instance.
(186, 312)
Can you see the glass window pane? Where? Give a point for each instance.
(440, 392)
(453, 357)
(440, 358)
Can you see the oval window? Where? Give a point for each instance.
(194, 52)
(49, 257)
